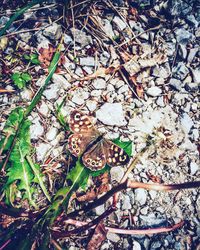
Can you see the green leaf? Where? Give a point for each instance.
(38, 176)
(78, 175)
(60, 116)
(20, 170)
(26, 77)
(27, 57)
(15, 76)
(35, 61)
(99, 172)
(126, 146)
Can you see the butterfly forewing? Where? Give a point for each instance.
(115, 155)
(84, 133)
(80, 122)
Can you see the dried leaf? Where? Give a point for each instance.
(154, 178)
(101, 185)
(98, 237)
(46, 56)
(136, 64)
(140, 91)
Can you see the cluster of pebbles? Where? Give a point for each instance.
(168, 112)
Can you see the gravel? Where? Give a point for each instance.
(165, 63)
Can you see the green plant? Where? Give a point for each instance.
(21, 79)
(33, 58)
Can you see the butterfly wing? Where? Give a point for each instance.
(95, 157)
(84, 132)
(79, 122)
(115, 155)
(78, 142)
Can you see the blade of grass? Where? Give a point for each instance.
(17, 14)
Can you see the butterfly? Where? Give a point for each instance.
(86, 142)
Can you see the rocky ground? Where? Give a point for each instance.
(154, 95)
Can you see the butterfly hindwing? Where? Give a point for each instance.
(115, 155)
(95, 157)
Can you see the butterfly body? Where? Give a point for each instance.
(94, 149)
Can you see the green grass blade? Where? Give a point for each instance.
(17, 14)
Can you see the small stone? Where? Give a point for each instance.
(180, 71)
(186, 123)
(195, 134)
(151, 219)
(107, 28)
(141, 196)
(79, 96)
(192, 86)
(136, 245)
(160, 101)
(155, 245)
(144, 210)
(176, 84)
(196, 75)
(89, 70)
(41, 151)
(182, 51)
(51, 134)
(160, 71)
(104, 57)
(111, 114)
(88, 61)
(117, 83)
(192, 21)
(99, 83)
(36, 129)
(96, 93)
(110, 88)
(43, 109)
(26, 94)
(61, 80)
(113, 237)
(152, 194)
(67, 39)
(192, 54)
(91, 105)
(100, 209)
(119, 22)
(81, 38)
(120, 98)
(112, 135)
(54, 31)
(123, 89)
(116, 173)
(25, 36)
(154, 91)
(52, 92)
(126, 203)
(193, 168)
(183, 36)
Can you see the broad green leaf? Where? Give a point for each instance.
(15, 76)
(26, 77)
